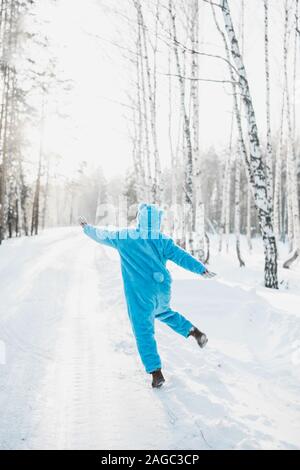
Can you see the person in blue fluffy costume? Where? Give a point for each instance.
(144, 252)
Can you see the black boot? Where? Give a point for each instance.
(201, 338)
(157, 378)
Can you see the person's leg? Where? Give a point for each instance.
(143, 328)
(181, 325)
(176, 321)
(141, 312)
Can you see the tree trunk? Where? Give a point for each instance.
(140, 151)
(237, 212)
(249, 207)
(292, 159)
(225, 209)
(199, 212)
(258, 173)
(278, 173)
(188, 186)
(157, 186)
(35, 220)
(148, 181)
(46, 193)
(269, 153)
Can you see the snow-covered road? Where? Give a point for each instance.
(70, 377)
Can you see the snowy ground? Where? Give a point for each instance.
(70, 377)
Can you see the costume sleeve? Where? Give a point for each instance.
(102, 235)
(181, 257)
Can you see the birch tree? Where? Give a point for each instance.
(145, 116)
(256, 163)
(151, 75)
(291, 159)
(198, 212)
(278, 176)
(225, 207)
(188, 185)
(35, 218)
(239, 154)
(269, 151)
(12, 96)
(236, 114)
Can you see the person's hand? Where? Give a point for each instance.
(208, 274)
(82, 220)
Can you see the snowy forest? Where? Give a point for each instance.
(249, 186)
(193, 105)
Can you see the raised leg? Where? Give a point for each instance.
(176, 321)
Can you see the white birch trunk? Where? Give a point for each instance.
(225, 210)
(290, 225)
(278, 176)
(249, 214)
(258, 174)
(297, 34)
(173, 154)
(140, 175)
(188, 187)
(237, 212)
(269, 151)
(241, 141)
(148, 173)
(291, 160)
(198, 213)
(157, 185)
(239, 154)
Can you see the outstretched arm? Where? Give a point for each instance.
(99, 234)
(181, 257)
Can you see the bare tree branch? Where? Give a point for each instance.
(197, 79)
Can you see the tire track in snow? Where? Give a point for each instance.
(28, 330)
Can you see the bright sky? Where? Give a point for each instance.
(97, 128)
